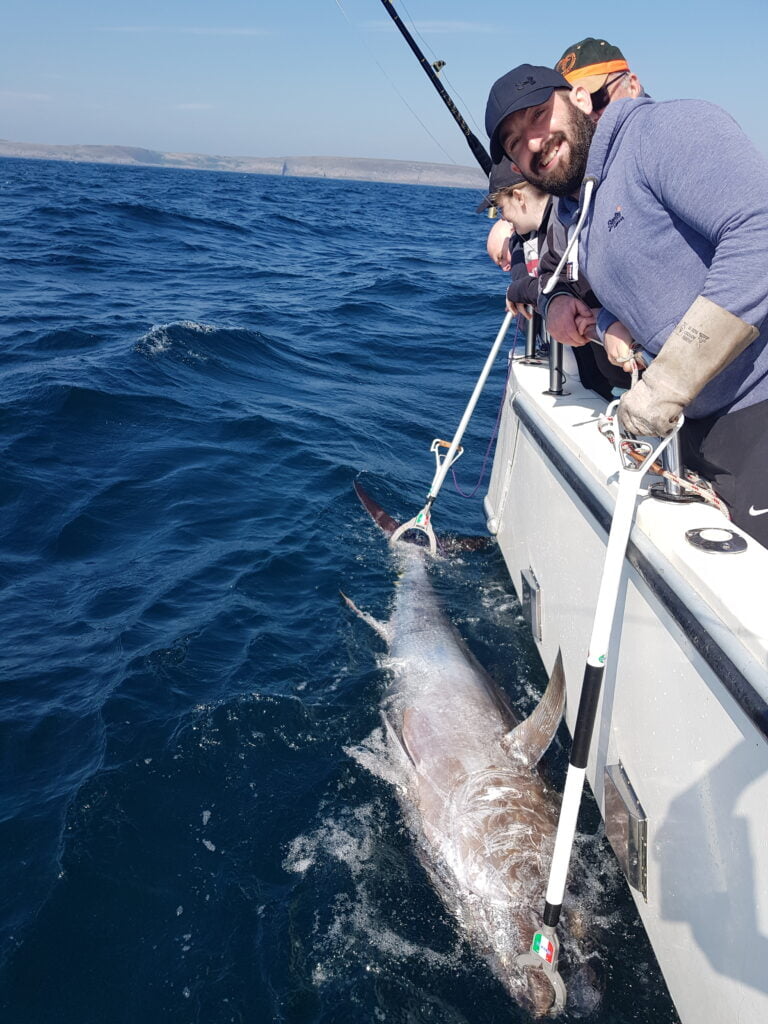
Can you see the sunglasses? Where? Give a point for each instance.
(602, 96)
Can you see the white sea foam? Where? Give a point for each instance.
(376, 756)
(158, 339)
(348, 841)
(358, 929)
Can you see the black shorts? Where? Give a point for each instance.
(731, 451)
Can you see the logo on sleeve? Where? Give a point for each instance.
(531, 255)
(616, 219)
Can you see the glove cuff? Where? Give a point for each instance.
(702, 344)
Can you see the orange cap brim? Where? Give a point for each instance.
(608, 67)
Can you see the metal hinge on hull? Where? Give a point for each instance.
(530, 599)
(626, 827)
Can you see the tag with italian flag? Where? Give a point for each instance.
(543, 947)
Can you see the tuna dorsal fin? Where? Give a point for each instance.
(528, 741)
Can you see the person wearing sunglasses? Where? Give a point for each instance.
(601, 69)
(669, 206)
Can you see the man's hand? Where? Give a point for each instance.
(521, 308)
(646, 411)
(569, 319)
(618, 345)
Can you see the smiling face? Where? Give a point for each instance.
(549, 142)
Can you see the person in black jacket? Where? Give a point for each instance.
(528, 210)
(597, 368)
(525, 209)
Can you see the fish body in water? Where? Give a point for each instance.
(483, 817)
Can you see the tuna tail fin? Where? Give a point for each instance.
(388, 525)
(380, 627)
(385, 522)
(528, 741)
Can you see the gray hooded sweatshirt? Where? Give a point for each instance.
(680, 209)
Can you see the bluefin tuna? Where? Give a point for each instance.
(483, 818)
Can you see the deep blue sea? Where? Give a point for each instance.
(195, 368)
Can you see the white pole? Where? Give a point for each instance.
(445, 465)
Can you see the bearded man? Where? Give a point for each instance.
(675, 244)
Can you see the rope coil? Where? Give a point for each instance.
(690, 481)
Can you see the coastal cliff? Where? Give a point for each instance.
(407, 172)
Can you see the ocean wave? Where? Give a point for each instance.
(197, 367)
(175, 218)
(161, 337)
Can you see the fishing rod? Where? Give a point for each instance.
(478, 150)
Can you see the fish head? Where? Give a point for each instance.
(503, 824)
(536, 995)
(532, 989)
(527, 986)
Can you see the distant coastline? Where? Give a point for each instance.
(405, 172)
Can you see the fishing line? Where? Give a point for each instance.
(442, 73)
(392, 84)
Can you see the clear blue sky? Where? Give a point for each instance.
(301, 77)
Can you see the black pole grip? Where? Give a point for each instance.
(552, 914)
(585, 719)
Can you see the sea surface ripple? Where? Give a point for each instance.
(196, 367)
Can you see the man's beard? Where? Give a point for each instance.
(566, 179)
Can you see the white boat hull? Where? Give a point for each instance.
(684, 708)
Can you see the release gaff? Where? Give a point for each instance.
(422, 521)
(635, 458)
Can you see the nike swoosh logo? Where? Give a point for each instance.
(757, 511)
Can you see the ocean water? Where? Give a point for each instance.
(195, 368)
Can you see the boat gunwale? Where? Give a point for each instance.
(722, 663)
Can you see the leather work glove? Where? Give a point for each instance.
(703, 343)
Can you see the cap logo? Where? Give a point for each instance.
(566, 63)
(526, 81)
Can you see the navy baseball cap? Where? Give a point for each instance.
(503, 175)
(523, 86)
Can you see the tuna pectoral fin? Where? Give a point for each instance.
(394, 739)
(528, 741)
(419, 738)
(380, 627)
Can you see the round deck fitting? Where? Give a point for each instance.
(716, 539)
